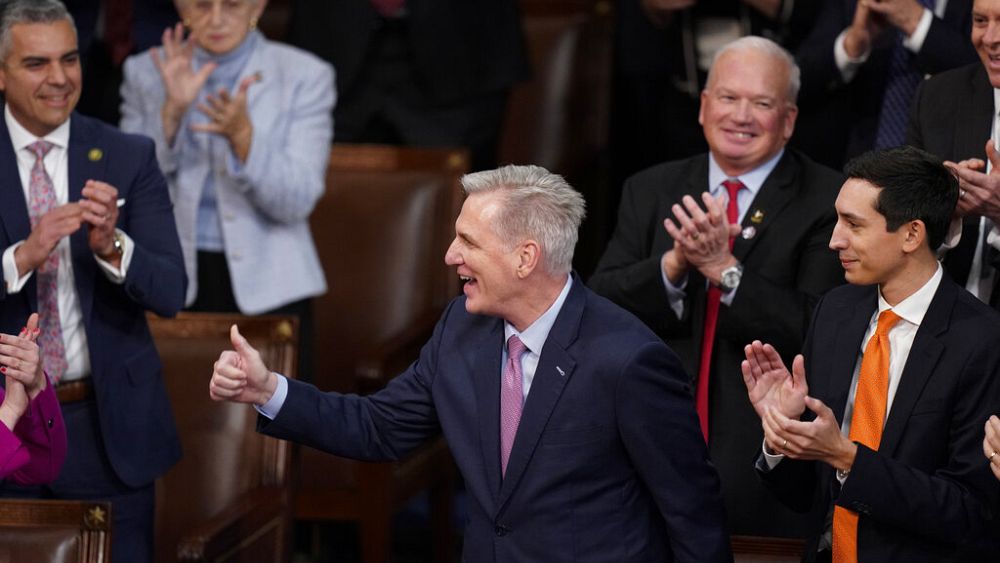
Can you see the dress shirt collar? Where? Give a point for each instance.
(535, 335)
(753, 180)
(20, 137)
(913, 308)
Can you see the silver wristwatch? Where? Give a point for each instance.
(730, 278)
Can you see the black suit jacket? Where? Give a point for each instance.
(461, 48)
(927, 493)
(787, 266)
(607, 464)
(136, 422)
(951, 118)
(853, 108)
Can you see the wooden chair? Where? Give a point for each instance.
(382, 230)
(754, 549)
(560, 118)
(55, 531)
(228, 497)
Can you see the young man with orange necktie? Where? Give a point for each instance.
(876, 430)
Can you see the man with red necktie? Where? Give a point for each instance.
(876, 431)
(717, 249)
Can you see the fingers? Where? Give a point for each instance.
(993, 156)
(99, 203)
(799, 371)
(247, 82)
(822, 411)
(31, 327)
(228, 379)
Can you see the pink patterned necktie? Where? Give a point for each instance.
(42, 199)
(511, 399)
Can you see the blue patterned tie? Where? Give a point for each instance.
(901, 83)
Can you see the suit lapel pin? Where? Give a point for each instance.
(757, 217)
(748, 232)
(95, 154)
(561, 372)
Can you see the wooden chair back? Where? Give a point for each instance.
(227, 468)
(55, 531)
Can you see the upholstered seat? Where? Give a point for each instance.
(54, 531)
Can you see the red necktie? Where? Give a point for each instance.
(388, 8)
(870, 401)
(712, 316)
(118, 29)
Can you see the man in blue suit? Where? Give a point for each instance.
(578, 439)
(89, 242)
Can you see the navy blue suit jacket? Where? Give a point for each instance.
(927, 494)
(135, 417)
(608, 463)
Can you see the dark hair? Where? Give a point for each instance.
(13, 12)
(913, 184)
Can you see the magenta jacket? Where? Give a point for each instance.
(34, 452)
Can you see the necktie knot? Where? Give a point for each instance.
(886, 320)
(515, 348)
(733, 186)
(40, 148)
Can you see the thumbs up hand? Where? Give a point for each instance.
(240, 375)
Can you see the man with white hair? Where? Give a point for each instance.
(715, 250)
(570, 421)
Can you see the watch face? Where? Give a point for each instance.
(730, 278)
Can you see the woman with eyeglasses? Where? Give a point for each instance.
(242, 127)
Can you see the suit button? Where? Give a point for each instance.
(501, 530)
(236, 256)
(50, 422)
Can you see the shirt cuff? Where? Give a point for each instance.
(771, 460)
(847, 65)
(13, 283)
(953, 236)
(271, 408)
(675, 293)
(916, 41)
(117, 275)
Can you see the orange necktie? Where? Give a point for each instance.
(870, 400)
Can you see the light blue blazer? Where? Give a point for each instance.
(264, 203)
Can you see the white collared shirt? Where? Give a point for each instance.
(752, 181)
(56, 163)
(911, 312)
(534, 338)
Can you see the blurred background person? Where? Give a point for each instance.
(862, 64)
(418, 72)
(242, 131)
(33, 435)
(108, 31)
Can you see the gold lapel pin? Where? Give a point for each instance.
(95, 154)
(757, 217)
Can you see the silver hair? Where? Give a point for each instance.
(768, 47)
(13, 12)
(537, 204)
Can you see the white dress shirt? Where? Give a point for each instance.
(70, 314)
(752, 181)
(848, 66)
(911, 312)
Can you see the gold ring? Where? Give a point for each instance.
(961, 193)
(694, 236)
(990, 459)
(783, 444)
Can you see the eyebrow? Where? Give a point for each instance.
(42, 59)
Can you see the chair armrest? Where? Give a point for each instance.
(391, 356)
(259, 512)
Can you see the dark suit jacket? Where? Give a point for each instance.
(951, 118)
(461, 48)
(926, 493)
(853, 108)
(787, 266)
(608, 463)
(136, 421)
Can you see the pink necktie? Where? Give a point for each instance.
(511, 399)
(712, 303)
(42, 199)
